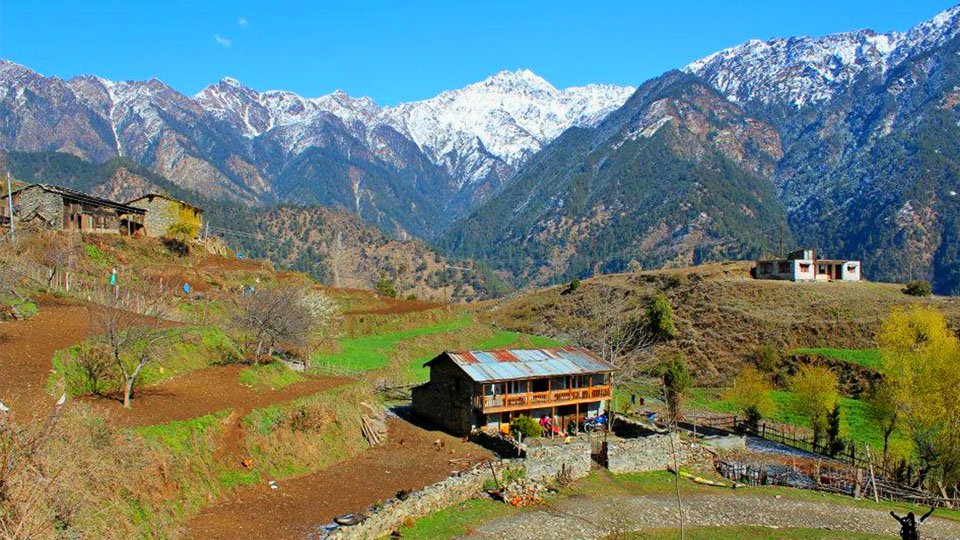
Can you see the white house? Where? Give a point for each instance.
(803, 265)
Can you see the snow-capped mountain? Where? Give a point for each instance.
(491, 127)
(482, 131)
(391, 165)
(804, 70)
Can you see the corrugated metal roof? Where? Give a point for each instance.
(510, 364)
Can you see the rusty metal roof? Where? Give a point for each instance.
(511, 364)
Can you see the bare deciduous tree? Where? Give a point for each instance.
(132, 341)
(270, 316)
(612, 323)
(59, 255)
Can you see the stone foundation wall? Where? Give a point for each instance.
(654, 453)
(546, 461)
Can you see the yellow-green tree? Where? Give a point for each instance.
(817, 394)
(751, 394)
(182, 231)
(922, 367)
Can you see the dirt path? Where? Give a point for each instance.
(203, 392)
(589, 517)
(410, 460)
(27, 347)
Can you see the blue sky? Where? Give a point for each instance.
(405, 50)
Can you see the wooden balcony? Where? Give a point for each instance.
(534, 400)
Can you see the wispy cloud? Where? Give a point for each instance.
(224, 41)
(242, 22)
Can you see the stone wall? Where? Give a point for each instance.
(430, 499)
(35, 206)
(545, 461)
(162, 213)
(654, 453)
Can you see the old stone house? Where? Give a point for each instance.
(164, 211)
(803, 265)
(55, 207)
(487, 389)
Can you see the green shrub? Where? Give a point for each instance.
(386, 286)
(660, 315)
(572, 287)
(676, 381)
(526, 426)
(767, 358)
(95, 255)
(918, 287)
(26, 309)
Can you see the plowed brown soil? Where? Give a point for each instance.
(409, 460)
(203, 392)
(27, 347)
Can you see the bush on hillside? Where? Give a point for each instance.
(386, 287)
(767, 358)
(918, 287)
(572, 287)
(660, 315)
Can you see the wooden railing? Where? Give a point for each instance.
(546, 399)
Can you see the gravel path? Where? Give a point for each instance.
(585, 517)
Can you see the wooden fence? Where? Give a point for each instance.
(849, 473)
(86, 288)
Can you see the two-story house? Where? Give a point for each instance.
(487, 389)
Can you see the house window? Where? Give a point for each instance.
(517, 387)
(783, 267)
(804, 268)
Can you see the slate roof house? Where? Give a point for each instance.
(163, 211)
(56, 207)
(486, 389)
(803, 265)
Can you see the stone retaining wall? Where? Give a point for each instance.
(654, 453)
(433, 498)
(545, 461)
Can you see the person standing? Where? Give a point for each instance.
(113, 282)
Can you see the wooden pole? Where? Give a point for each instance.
(13, 232)
(873, 478)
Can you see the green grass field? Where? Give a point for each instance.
(856, 424)
(372, 352)
(457, 520)
(868, 358)
(409, 349)
(272, 376)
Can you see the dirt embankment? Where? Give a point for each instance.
(409, 460)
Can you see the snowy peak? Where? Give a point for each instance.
(483, 129)
(804, 70)
(497, 123)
